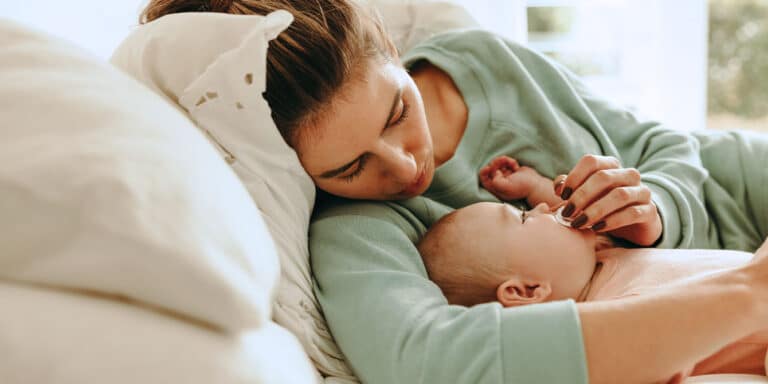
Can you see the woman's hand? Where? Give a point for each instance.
(608, 198)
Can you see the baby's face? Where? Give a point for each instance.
(532, 240)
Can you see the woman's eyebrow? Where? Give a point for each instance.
(343, 168)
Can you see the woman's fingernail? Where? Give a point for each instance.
(600, 225)
(567, 191)
(559, 185)
(581, 220)
(568, 210)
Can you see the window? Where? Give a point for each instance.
(689, 63)
(650, 55)
(738, 64)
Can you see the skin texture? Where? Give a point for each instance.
(395, 143)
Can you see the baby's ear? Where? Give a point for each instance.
(519, 291)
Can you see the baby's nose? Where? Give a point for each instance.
(542, 207)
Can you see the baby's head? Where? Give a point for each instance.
(495, 252)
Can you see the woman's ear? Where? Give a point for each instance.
(517, 291)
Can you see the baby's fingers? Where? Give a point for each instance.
(486, 174)
(504, 163)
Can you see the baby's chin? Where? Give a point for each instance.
(590, 237)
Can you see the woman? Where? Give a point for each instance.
(367, 127)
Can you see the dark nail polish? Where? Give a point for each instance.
(567, 191)
(581, 220)
(568, 210)
(600, 225)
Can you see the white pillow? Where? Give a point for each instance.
(106, 188)
(214, 66)
(56, 337)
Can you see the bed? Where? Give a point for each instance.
(118, 265)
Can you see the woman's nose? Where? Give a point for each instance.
(400, 164)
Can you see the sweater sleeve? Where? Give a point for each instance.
(395, 326)
(669, 163)
(668, 159)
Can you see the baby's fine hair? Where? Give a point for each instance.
(440, 248)
(328, 43)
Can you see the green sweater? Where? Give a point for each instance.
(392, 323)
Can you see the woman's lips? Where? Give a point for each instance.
(415, 187)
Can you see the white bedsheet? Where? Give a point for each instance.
(51, 336)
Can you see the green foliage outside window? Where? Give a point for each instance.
(738, 58)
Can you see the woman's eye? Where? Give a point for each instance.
(360, 167)
(403, 114)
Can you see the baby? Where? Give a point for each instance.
(494, 252)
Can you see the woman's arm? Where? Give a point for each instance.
(644, 339)
(395, 326)
(667, 159)
(669, 167)
(648, 338)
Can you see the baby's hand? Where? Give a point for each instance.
(508, 180)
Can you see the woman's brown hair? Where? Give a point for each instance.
(329, 42)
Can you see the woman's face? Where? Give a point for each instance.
(374, 143)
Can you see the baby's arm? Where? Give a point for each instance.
(507, 180)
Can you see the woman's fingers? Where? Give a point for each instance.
(559, 183)
(608, 198)
(626, 200)
(600, 184)
(587, 165)
(624, 217)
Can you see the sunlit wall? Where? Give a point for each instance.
(96, 25)
(652, 53)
